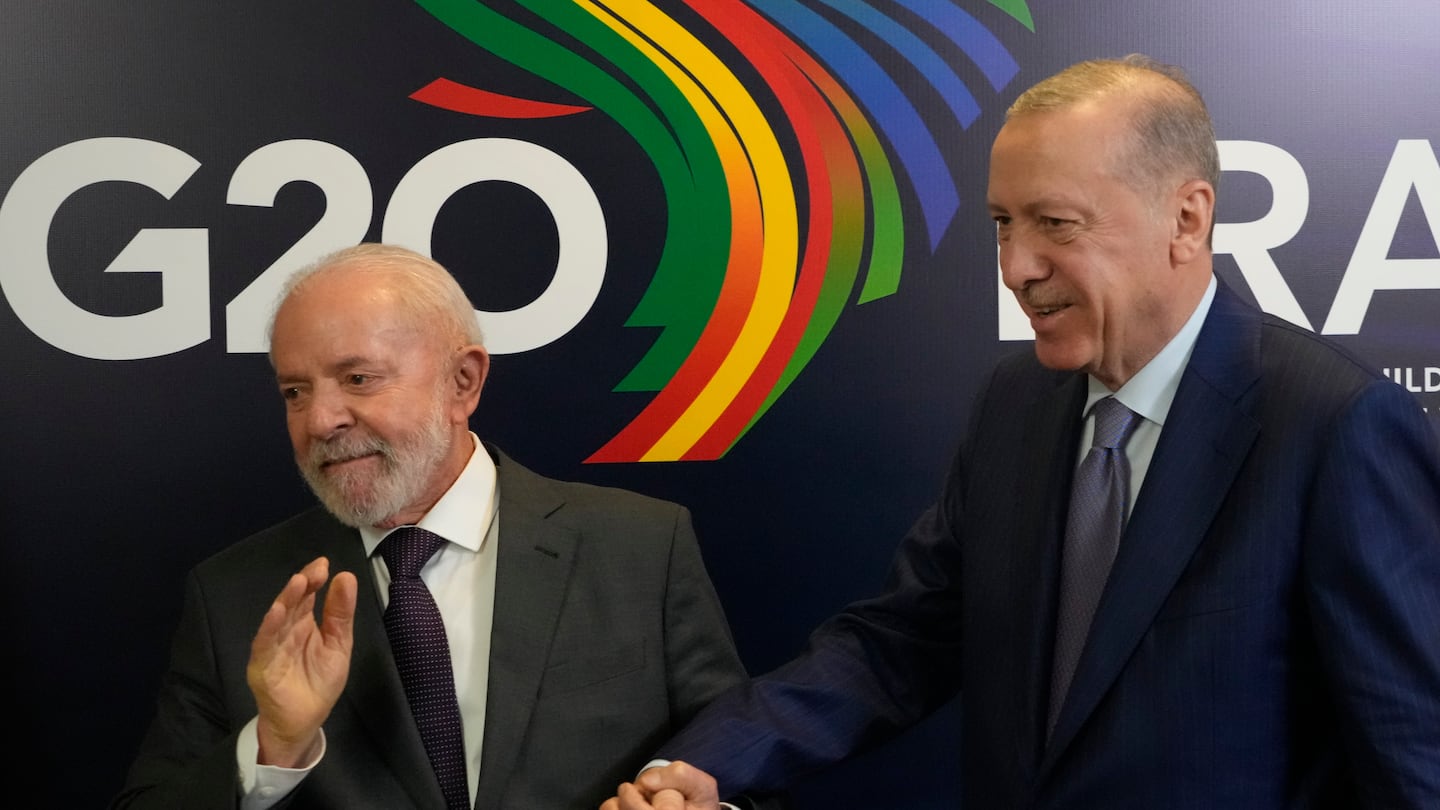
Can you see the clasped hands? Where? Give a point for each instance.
(676, 786)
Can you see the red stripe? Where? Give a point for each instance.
(460, 98)
(815, 129)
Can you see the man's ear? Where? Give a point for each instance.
(472, 366)
(1194, 217)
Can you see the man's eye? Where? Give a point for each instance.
(290, 394)
(358, 379)
(1053, 222)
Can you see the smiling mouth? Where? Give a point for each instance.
(328, 463)
(1045, 312)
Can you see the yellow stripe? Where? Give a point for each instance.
(780, 234)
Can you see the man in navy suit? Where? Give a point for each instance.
(1266, 631)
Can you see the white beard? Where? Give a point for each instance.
(361, 498)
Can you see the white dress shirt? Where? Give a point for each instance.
(461, 578)
(1149, 394)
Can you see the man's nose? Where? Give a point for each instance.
(327, 414)
(1021, 263)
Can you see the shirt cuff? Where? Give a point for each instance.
(262, 786)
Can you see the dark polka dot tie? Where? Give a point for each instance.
(422, 654)
(1092, 536)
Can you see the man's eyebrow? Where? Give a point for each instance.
(1034, 206)
(347, 363)
(338, 367)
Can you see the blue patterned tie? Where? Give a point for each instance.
(417, 638)
(1092, 536)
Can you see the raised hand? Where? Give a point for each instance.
(297, 668)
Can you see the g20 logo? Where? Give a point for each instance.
(181, 255)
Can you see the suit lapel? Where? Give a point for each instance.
(1202, 447)
(534, 560)
(374, 699)
(1052, 421)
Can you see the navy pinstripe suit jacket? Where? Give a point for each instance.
(1269, 636)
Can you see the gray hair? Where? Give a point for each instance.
(433, 296)
(1173, 136)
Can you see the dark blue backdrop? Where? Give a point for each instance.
(118, 475)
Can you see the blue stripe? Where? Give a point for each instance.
(891, 111)
(983, 48)
(956, 95)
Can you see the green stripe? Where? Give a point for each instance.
(691, 268)
(1017, 9)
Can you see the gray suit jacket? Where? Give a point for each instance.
(607, 637)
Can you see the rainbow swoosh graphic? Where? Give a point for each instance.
(762, 251)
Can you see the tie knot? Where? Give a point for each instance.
(1113, 423)
(407, 549)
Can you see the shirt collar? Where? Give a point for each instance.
(464, 513)
(1151, 391)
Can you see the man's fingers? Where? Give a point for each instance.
(316, 573)
(296, 603)
(271, 628)
(678, 775)
(339, 618)
(626, 798)
(314, 576)
(293, 594)
(298, 595)
(677, 786)
(281, 616)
